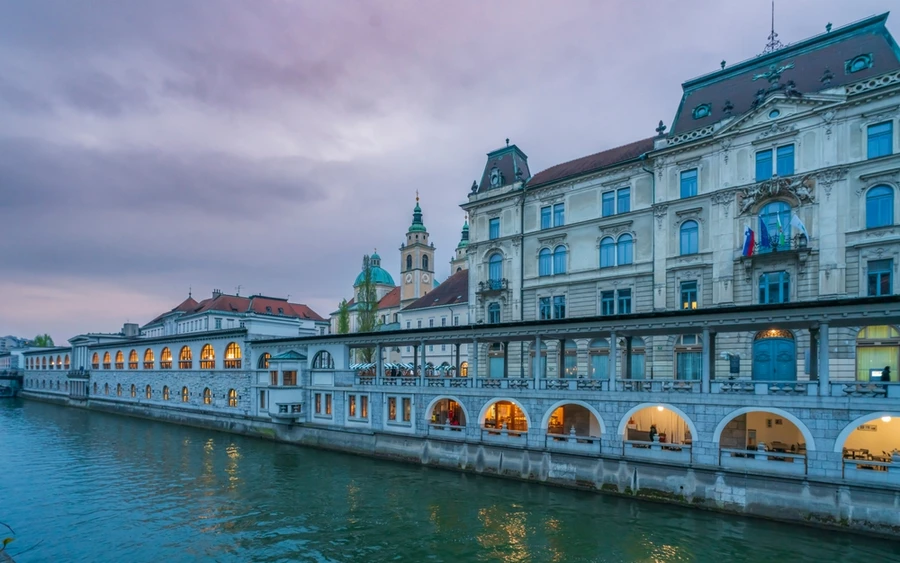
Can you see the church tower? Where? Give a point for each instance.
(416, 261)
(459, 261)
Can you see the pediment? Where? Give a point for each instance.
(775, 114)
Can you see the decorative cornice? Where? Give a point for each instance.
(723, 198)
(827, 178)
(777, 130)
(660, 212)
(552, 240)
(800, 187)
(615, 229)
(889, 174)
(693, 211)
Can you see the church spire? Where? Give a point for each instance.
(417, 225)
(464, 239)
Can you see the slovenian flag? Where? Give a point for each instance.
(764, 241)
(749, 239)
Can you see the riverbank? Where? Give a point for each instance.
(817, 502)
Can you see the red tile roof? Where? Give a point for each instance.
(810, 58)
(391, 299)
(454, 290)
(258, 304)
(592, 163)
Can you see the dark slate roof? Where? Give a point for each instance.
(810, 58)
(592, 163)
(454, 290)
(289, 355)
(508, 160)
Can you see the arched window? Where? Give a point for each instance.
(148, 391)
(690, 238)
(545, 263)
(106, 388)
(559, 260)
(133, 391)
(148, 359)
(118, 389)
(409, 261)
(464, 369)
(165, 358)
(58, 362)
(44, 362)
(185, 358)
(120, 360)
(607, 252)
(625, 250)
(132, 360)
(425, 263)
(66, 361)
(493, 313)
(207, 357)
(323, 360)
(106, 361)
(233, 356)
(263, 362)
(495, 267)
(879, 207)
(165, 392)
(232, 398)
(185, 396)
(207, 396)
(775, 221)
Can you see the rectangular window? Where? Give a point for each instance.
(880, 277)
(544, 308)
(494, 313)
(430, 323)
(609, 204)
(443, 321)
(328, 404)
(624, 301)
(689, 295)
(407, 409)
(559, 307)
(623, 200)
(545, 217)
(881, 139)
(318, 403)
(689, 183)
(774, 287)
(419, 323)
(494, 228)
(763, 165)
(392, 408)
(443, 347)
(559, 215)
(273, 378)
(262, 400)
(456, 320)
(364, 407)
(608, 303)
(785, 160)
(290, 377)
(218, 323)
(431, 347)
(351, 406)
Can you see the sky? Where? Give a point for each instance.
(152, 148)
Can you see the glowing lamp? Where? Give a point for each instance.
(885, 419)
(660, 408)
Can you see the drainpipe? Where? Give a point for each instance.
(643, 158)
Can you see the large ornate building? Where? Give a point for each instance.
(776, 182)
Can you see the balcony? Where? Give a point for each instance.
(78, 374)
(492, 287)
(286, 413)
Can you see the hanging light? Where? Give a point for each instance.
(660, 408)
(885, 419)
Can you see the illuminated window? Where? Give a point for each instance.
(207, 357)
(185, 396)
(66, 361)
(273, 378)
(290, 377)
(185, 358)
(165, 392)
(264, 361)
(689, 295)
(149, 392)
(232, 398)
(106, 362)
(392, 408)
(407, 409)
(232, 356)
(59, 363)
(133, 391)
(44, 362)
(323, 360)
(165, 359)
(120, 360)
(118, 389)
(148, 359)
(207, 396)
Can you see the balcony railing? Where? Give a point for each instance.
(79, 374)
(492, 286)
(573, 443)
(761, 460)
(657, 451)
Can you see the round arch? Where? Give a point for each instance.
(493, 400)
(687, 420)
(458, 402)
(807, 435)
(845, 433)
(546, 418)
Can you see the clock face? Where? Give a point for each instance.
(424, 277)
(408, 278)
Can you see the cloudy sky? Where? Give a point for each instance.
(148, 147)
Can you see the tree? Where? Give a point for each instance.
(43, 341)
(367, 307)
(343, 321)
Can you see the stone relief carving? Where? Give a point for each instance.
(660, 212)
(723, 198)
(552, 241)
(799, 187)
(827, 178)
(880, 233)
(688, 164)
(726, 146)
(776, 129)
(828, 118)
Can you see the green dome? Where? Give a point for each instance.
(380, 276)
(417, 225)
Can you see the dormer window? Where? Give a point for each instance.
(858, 63)
(701, 111)
(280, 311)
(495, 177)
(268, 309)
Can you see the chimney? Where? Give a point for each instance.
(216, 293)
(131, 330)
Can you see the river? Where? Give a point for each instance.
(77, 485)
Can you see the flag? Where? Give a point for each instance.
(764, 235)
(798, 224)
(779, 239)
(749, 239)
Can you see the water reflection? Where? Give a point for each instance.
(99, 488)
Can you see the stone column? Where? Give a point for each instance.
(561, 358)
(424, 363)
(824, 387)
(473, 361)
(537, 364)
(704, 363)
(379, 362)
(712, 356)
(813, 354)
(457, 362)
(627, 374)
(505, 359)
(415, 361)
(612, 359)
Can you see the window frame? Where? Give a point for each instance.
(689, 183)
(623, 195)
(880, 138)
(882, 204)
(685, 229)
(783, 285)
(685, 289)
(880, 269)
(493, 228)
(608, 203)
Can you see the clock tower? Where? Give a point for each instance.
(416, 260)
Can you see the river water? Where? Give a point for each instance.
(85, 486)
